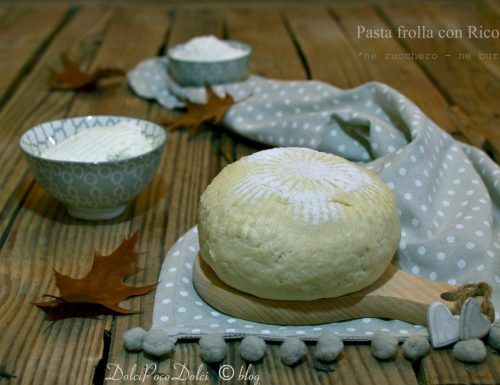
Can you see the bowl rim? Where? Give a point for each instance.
(98, 163)
(245, 46)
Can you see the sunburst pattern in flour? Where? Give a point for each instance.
(307, 180)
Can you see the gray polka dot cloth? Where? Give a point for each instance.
(447, 192)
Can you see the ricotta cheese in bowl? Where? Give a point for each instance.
(206, 49)
(208, 60)
(94, 164)
(101, 144)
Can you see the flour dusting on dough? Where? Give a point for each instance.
(307, 180)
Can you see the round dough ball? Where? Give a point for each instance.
(297, 224)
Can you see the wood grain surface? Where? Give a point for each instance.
(476, 92)
(22, 44)
(299, 41)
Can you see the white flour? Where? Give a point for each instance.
(307, 181)
(207, 48)
(101, 144)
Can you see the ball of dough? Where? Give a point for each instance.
(297, 224)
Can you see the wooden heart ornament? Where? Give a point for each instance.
(473, 323)
(444, 327)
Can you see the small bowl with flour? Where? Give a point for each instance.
(208, 60)
(94, 164)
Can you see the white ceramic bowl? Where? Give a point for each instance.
(91, 190)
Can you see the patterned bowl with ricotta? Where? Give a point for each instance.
(99, 182)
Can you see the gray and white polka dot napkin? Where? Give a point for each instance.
(448, 193)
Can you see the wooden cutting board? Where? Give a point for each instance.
(395, 295)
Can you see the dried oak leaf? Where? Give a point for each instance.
(212, 111)
(103, 285)
(73, 78)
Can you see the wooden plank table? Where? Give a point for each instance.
(290, 42)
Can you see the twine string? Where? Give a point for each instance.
(480, 289)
